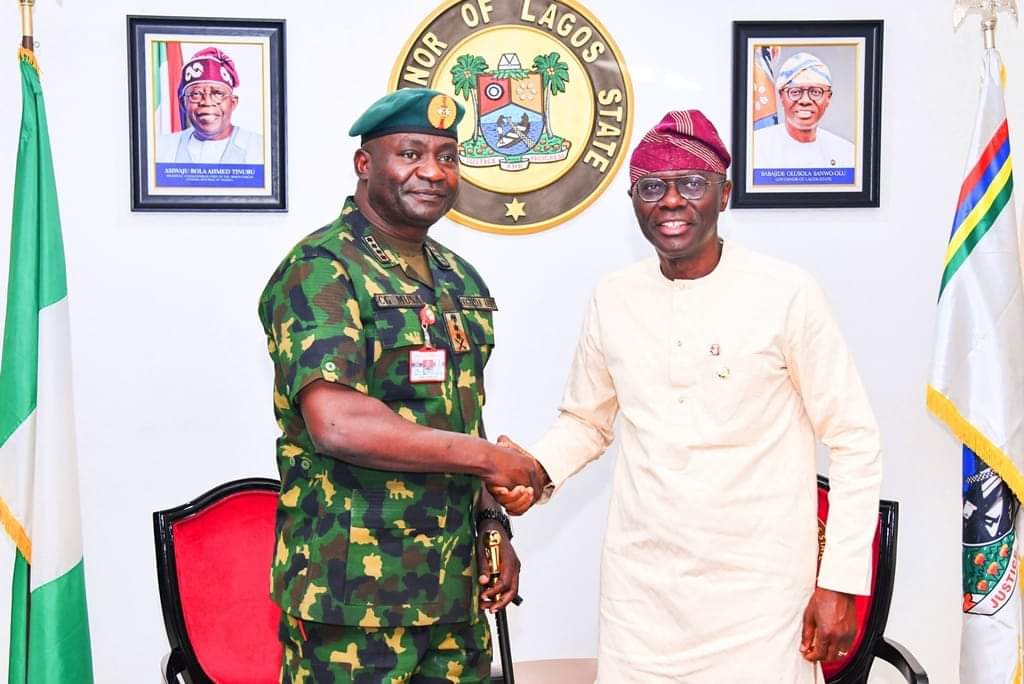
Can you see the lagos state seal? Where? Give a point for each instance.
(549, 106)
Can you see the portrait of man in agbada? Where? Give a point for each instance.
(207, 96)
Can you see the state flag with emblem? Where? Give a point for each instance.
(976, 387)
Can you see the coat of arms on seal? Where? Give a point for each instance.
(549, 106)
(512, 127)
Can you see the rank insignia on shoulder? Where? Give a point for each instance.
(383, 257)
(438, 257)
(478, 303)
(456, 332)
(398, 301)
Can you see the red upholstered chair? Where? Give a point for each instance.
(872, 611)
(213, 565)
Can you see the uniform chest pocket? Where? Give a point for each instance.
(393, 340)
(734, 387)
(395, 545)
(480, 326)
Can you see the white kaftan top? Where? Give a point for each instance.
(722, 383)
(775, 148)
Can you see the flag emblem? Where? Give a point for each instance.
(991, 561)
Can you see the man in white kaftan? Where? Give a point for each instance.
(775, 148)
(725, 367)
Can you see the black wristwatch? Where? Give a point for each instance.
(492, 514)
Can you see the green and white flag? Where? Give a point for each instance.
(44, 625)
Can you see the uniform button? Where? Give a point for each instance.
(329, 366)
(306, 465)
(679, 343)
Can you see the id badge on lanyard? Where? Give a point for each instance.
(427, 364)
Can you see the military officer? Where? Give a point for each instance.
(379, 337)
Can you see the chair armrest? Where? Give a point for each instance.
(899, 657)
(173, 665)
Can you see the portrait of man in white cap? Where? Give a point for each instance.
(208, 96)
(805, 89)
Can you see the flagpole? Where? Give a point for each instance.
(988, 30)
(26, 23)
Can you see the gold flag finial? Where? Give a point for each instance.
(26, 7)
(989, 11)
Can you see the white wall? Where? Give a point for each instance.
(172, 380)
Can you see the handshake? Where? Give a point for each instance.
(515, 479)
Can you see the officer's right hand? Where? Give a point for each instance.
(511, 466)
(519, 495)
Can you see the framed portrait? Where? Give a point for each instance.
(806, 114)
(206, 98)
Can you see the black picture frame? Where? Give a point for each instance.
(249, 173)
(770, 167)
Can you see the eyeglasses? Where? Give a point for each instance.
(215, 95)
(690, 187)
(795, 93)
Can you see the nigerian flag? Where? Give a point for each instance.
(44, 627)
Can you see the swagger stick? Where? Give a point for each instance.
(500, 618)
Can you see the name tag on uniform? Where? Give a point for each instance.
(398, 301)
(427, 365)
(478, 303)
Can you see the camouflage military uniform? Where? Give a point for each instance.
(356, 546)
(315, 653)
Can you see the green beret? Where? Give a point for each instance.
(410, 110)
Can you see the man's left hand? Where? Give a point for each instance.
(507, 587)
(830, 623)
